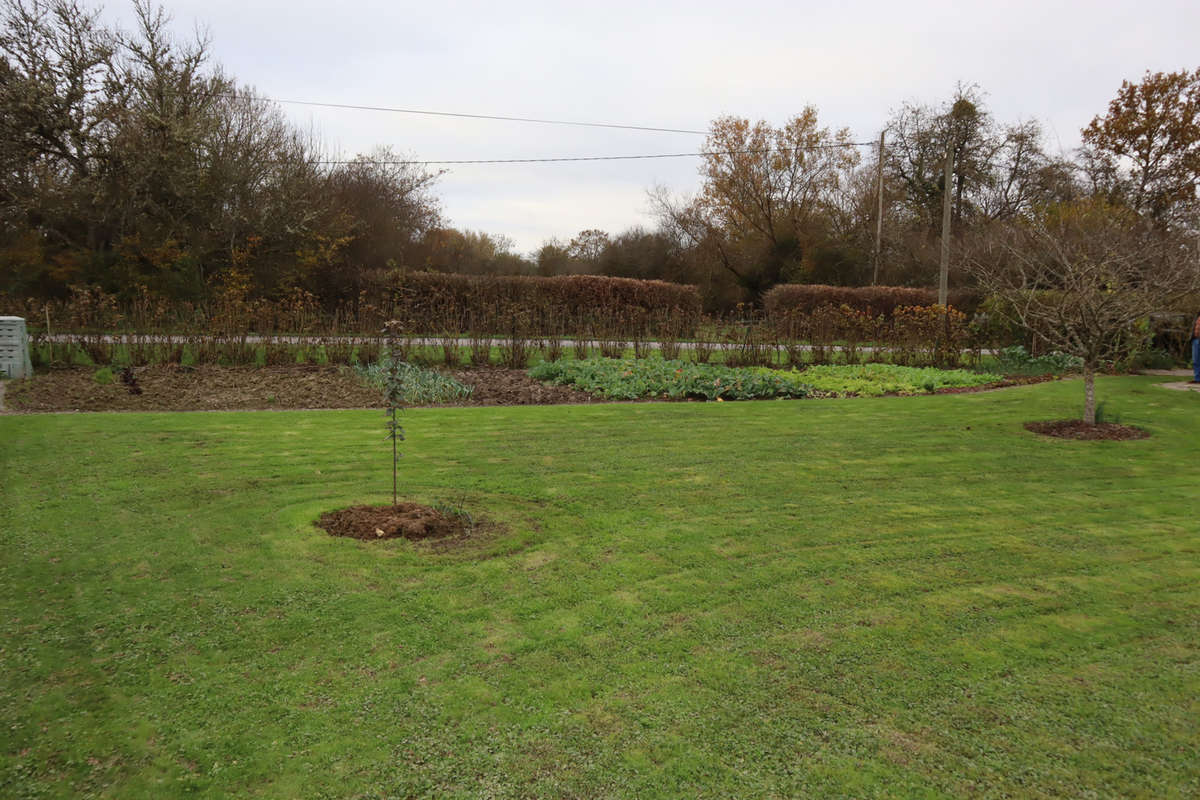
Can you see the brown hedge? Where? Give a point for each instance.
(874, 300)
(436, 298)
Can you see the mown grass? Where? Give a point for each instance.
(891, 597)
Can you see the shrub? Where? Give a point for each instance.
(425, 299)
(420, 386)
(1016, 360)
(929, 335)
(1150, 358)
(873, 300)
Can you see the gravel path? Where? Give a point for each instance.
(1181, 386)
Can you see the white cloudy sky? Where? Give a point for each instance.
(668, 64)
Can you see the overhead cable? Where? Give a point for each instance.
(423, 163)
(473, 116)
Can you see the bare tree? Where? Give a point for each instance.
(761, 209)
(1083, 276)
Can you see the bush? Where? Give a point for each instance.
(420, 386)
(434, 302)
(1016, 360)
(929, 335)
(872, 300)
(425, 302)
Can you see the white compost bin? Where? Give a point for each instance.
(14, 348)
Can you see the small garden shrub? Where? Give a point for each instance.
(1016, 360)
(1150, 358)
(420, 385)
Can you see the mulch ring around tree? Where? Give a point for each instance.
(402, 521)
(1078, 429)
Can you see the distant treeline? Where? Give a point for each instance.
(131, 163)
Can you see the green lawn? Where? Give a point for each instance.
(900, 597)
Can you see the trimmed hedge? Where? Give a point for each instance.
(807, 298)
(552, 304)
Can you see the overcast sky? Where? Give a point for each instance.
(664, 64)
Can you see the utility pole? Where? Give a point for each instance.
(879, 212)
(944, 272)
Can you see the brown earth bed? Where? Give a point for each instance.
(401, 521)
(204, 388)
(495, 386)
(212, 388)
(1078, 429)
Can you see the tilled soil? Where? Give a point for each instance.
(174, 388)
(1078, 429)
(496, 386)
(401, 521)
(208, 388)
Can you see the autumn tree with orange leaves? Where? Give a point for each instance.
(1146, 149)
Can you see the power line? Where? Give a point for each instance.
(473, 116)
(417, 163)
(453, 162)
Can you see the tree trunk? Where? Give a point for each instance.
(1089, 392)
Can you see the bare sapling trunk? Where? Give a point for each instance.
(1089, 393)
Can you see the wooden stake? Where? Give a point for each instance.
(878, 213)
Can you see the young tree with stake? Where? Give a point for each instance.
(394, 398)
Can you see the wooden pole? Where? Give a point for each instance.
(944, 272)
(878, 213)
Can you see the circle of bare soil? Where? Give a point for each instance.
(1078, 429)
(401, 521)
